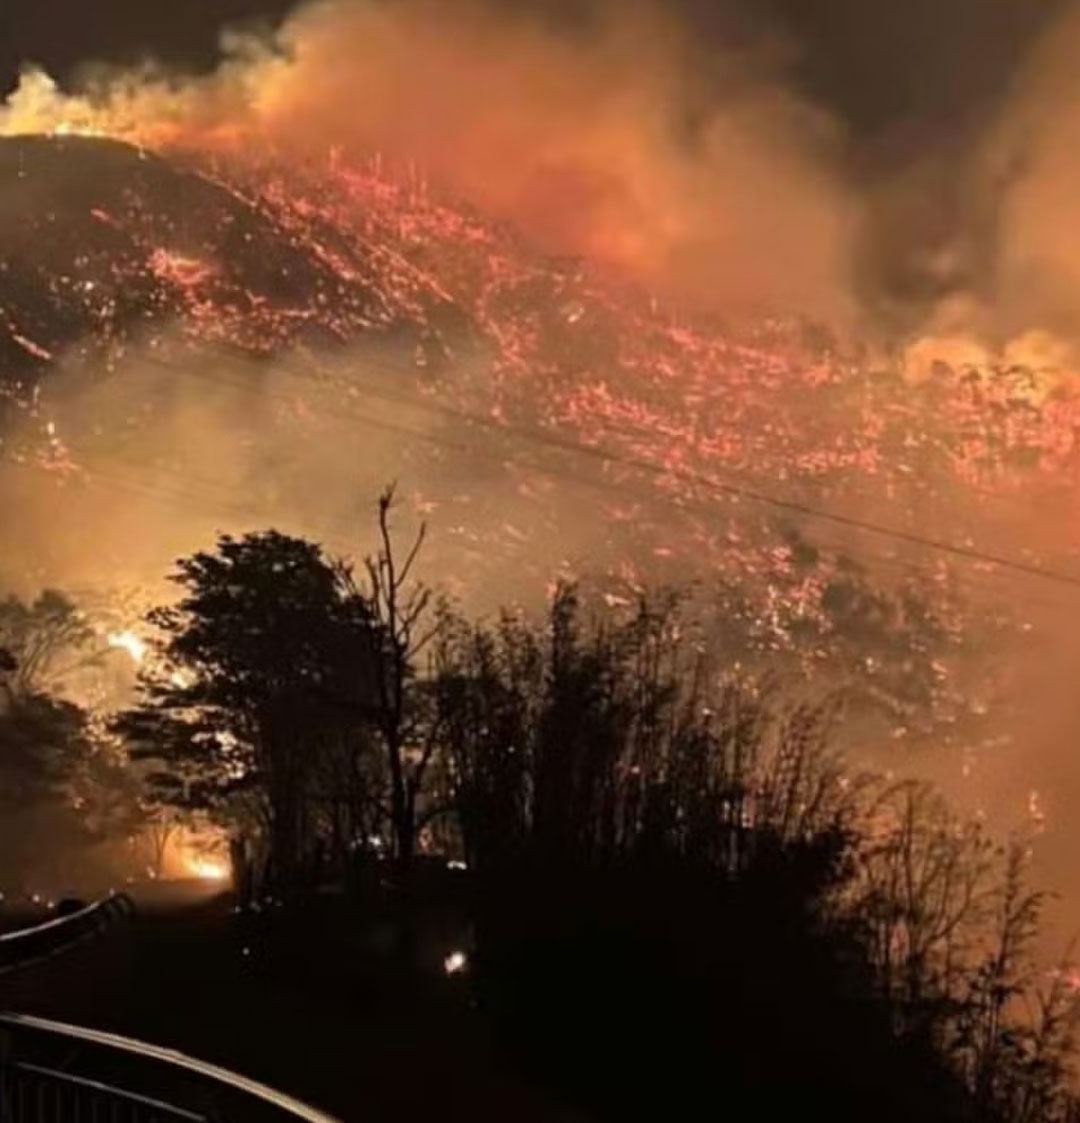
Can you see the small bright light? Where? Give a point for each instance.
(201, 853)
(455, 963)
(208, 869)
(75, 128)
(129, 642)
(456, 865)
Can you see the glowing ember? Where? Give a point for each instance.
(455, 963)
(557, 369)
(186, 272)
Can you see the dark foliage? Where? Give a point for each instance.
(261, 666)
(679, 894)
(682, 892)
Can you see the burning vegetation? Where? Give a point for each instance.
(226, 302)
(852, 513)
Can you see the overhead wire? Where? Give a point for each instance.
(329, 532)
(707, 482)
(539, 438)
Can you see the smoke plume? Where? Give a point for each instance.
(733, 197)
(593, 143)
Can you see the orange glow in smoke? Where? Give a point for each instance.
(129, 642)
(207, 869)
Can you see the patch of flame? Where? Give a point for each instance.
(208, 869)
(129, 642)
(186, 272)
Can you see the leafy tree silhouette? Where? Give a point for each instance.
(254, 668)
(677, 889)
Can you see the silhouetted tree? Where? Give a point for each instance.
(398, 607)
(41, 741)
(47, 639)
(8, 667)
(665, 852)
(672, 860)
(63, 787)
(254, 668)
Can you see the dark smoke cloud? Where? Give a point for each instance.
(975, 236)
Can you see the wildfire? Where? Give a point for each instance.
(207, 869)
(567, 367)
(75, 128)
(38, 107)
(580, 354)
(131, 643)
(553, 361)
(186, 272)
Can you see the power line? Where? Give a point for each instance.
(178, 495)
(328, 531)
(603, 456)
(697, 479)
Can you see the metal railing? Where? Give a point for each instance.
(56, 1073)
(30, 945)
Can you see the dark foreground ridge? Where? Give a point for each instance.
(311, 1005)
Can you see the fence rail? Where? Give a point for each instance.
(51, 1072)
(30, 945)
(31, 1093)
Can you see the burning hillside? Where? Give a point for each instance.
(553, 288)
(547, 412)
(103, 244)
(342, 271)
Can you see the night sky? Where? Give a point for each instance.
(898, 73)
(61, 34)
